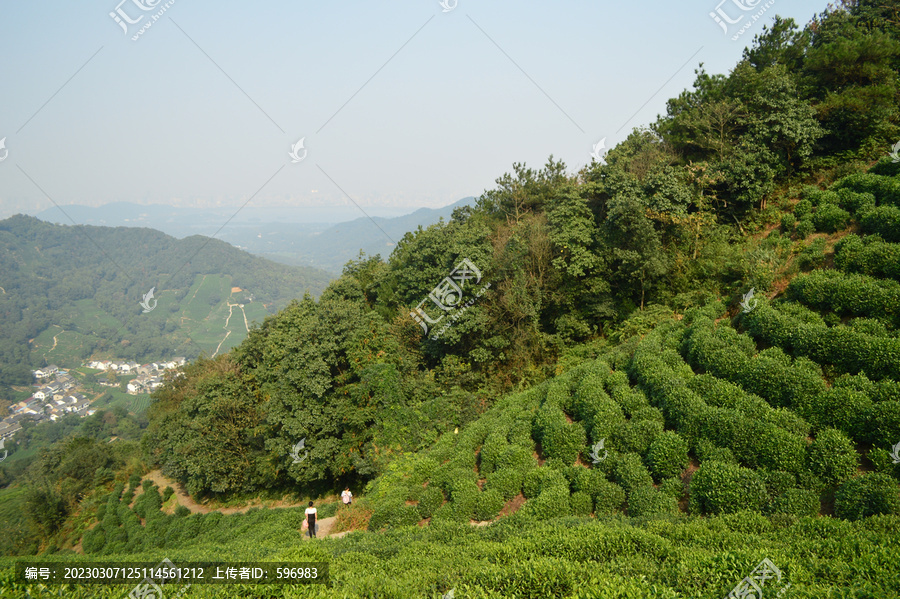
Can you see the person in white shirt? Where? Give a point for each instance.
(347, 496)
(311, 520)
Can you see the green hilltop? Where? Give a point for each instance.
(73, 292)
(673, 374)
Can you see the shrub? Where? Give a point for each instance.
(885, 189)
(884, 462)
(788, 221)
(93, 540)
(631, 474)
(851, 294)
(507, 482)
(840, 408)
(564, 442)
(708, 451)
(488, 505)
(884, 221)
(581, 504)
(463, 498)
(884, 424)
(887, 167)
(812, 256)
(871, 256)
(539, 479)
(718, 487)
(668, 455)
(673, 487)
(805, 228)
(609, 498)
(832, 457)
(830, 218)
(447, 477)
(494, 446)
(803, 208)
(167, 493)
(779, 449)
(808, 480)
(847, 350)
(635, 436)
(516, 457)
(776, 482)
(856, 203)
(869, 494)
(432, 498)
(552, 502)
(647, 501)
(182, 512)
(797, 502)
(413, 493)
(589, 481)
(607, 416)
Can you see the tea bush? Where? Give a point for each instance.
(886, 190)
(507, 482)
(488, 504)
(845, 349)
(884, 424)
(848, 294)
(883, 221)
(431, 499)
(805, 228)
(869, 494)
(581, 504)
(718, 487)
(869, 256)
(631, 474)
(797, 502)
(635, 436)
(830, 218)
(803, 208)
(667, 456)
(832, 457)
(552, 502)
(494, 446)
(647, 501)
(609, 499)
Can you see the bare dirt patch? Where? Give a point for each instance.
(512, 506)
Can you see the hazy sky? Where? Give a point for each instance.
(401, 104)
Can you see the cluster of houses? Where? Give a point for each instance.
(149, 376)
(59, 396)
(51, 401)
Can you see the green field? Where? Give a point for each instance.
(135, 404)
(190, 327)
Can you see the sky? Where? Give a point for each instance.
(399, 105)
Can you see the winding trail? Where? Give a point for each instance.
(182, 498)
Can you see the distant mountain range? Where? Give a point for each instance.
(284, 235)
(68, 293)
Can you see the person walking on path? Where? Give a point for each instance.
(311, 520)
(347, 496)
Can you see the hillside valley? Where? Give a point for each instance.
(673, 372)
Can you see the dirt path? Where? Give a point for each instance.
(246, 324)
(182, 498)
(227, 332)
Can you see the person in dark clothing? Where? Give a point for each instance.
(311, 520)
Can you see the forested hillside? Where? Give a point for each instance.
(71, 292)
(723, 194)
(645, 377)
